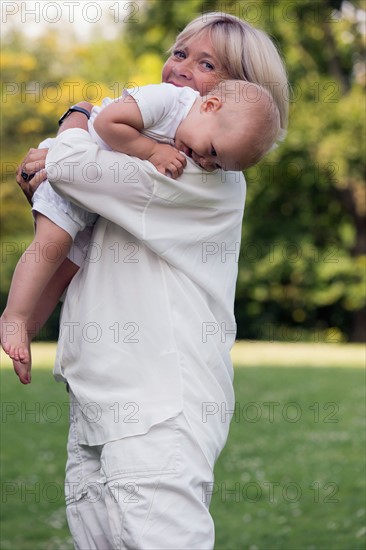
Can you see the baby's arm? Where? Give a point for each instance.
(119, 125)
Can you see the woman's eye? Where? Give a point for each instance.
(208, 65)
(213, 152)
(179, 53)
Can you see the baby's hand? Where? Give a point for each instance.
(168, 160)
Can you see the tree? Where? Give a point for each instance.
(301, 271)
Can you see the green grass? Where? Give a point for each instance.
(291, 476)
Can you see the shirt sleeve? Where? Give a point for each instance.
(155, 102)
(114, 185)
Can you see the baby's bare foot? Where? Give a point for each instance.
(14, 339)
(23, 371)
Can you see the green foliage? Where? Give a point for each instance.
(303, 249)
(308, 204)
(159, 22)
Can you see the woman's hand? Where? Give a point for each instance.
(31, 172)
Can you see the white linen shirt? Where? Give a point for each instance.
(147, 324)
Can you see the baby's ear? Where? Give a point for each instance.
(211, 104)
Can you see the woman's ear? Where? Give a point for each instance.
(211, 104)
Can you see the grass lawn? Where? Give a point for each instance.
(291, 476)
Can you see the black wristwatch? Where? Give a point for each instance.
(73, 109)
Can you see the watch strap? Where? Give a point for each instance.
(73, 109)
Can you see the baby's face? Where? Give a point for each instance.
(210, 142)
(198, 141)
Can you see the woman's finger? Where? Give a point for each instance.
(24, 185)
(34, 161)
(30, 172)
(37, 179)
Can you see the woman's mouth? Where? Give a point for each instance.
(176, 84)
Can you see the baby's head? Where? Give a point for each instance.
(232, 127)
(249, 119)
(240, 52)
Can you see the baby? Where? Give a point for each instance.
(231, 128)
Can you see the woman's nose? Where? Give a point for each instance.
(184, 69)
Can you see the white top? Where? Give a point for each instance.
(162, 106)
(148, 324)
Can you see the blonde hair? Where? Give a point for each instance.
(246, 52)
(251, 114)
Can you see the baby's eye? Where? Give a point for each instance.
(213, 152)
(179, 53)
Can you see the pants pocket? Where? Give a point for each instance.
(153, 453)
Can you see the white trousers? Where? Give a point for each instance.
(149, 491)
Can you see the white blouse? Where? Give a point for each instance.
(147, 324)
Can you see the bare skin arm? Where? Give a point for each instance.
(119, 125)
(47, 303)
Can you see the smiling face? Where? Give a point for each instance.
(206, 137)
(196, 138)
(231, 128)
(212, 147)
(194, 64)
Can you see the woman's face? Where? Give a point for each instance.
(194, 64)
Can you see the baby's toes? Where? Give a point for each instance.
(6, 347)
(22, 372)
(14, 353)
(23, 355)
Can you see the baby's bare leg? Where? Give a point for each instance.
(33, 272)
(46, 304)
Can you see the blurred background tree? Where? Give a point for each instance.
(302, 262)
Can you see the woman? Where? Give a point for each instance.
(144, 344)
(243, 52)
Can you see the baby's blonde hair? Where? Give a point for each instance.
(245, 52)
(251, 115)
